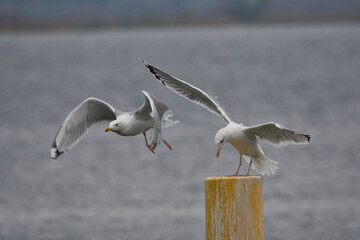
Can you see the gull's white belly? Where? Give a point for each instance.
(244, 144)
(137, 127)
(242, 147)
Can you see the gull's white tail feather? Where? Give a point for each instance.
(264, 165)
(167, 122)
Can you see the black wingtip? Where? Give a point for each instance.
(54, 151)
(153, 70)
(308, 138)
(145, 63)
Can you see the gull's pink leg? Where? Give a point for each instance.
(167, 144)
(237, 171)
(151, 148)
(247, 174)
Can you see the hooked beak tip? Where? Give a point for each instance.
(108, 129)
(218, 153)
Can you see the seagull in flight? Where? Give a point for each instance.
(153, 114)
(241, 137)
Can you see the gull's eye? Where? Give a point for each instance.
(116, 124)
(222, 140)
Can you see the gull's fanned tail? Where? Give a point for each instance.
(166, 121)
(263, 165)
(189, 92)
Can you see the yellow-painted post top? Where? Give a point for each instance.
(234, 208)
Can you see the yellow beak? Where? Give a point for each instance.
(218, 152)
(108, 129)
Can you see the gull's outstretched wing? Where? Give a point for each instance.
(189, 92)
(160, 113)
(88, 114)
(277, 134)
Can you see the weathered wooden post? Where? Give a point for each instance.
(234, 208)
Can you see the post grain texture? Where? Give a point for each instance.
(234, 208)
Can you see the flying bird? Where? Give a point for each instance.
(153, 114)
(241, 137)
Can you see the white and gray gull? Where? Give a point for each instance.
(153, 114)
(242, 138)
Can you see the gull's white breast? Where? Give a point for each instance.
(132, 126)
(245, 143)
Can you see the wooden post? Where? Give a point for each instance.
(234, 208)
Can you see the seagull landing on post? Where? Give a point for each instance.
(153, 114)
(242, 138)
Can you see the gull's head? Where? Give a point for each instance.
(220, 139)
(114, 126)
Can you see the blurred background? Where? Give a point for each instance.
(49, 14)
(292, 62)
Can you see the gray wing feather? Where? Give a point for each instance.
(278, 135)
(154, 138)
(145, 111)
(189, 92)
(160, 113)
(164, 113)
(84, 117)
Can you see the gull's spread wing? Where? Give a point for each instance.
(277, 134)
(189, 92)
(88, 114)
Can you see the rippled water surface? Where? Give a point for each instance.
(306, 77)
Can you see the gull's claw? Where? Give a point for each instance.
(151, 148)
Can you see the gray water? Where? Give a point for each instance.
(305, 77)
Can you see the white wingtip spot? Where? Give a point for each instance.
(53, 153)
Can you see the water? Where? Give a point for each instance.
(305, 77)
